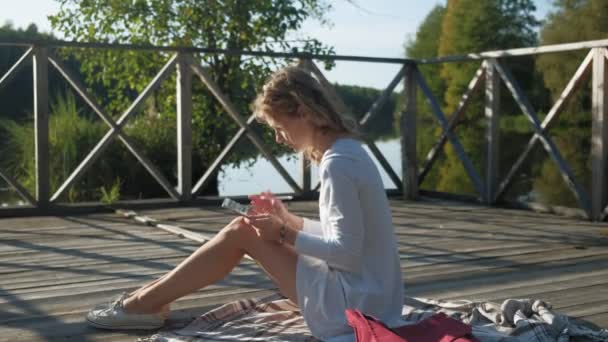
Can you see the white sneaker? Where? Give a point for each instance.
(113, 316)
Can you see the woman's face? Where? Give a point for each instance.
(293, 131)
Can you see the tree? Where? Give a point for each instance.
(426, 45)
(359, 100)
(17, 97)
(116, 76)
(571, 21)
(475, 26)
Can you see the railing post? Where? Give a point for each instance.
(492, 107)
(184, 127)
(305, 174)
(409, 164)
(599, 134)
(41, 125)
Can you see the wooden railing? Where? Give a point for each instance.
(489, 75)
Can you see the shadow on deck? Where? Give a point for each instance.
(55, 268)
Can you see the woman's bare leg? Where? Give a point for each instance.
(212, 262)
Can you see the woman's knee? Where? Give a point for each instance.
(238, 231)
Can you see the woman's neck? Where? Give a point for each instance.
(324, 141)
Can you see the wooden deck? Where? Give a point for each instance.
(53, 269)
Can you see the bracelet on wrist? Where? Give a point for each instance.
(282, 234)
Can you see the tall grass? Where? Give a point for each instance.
(71, 134)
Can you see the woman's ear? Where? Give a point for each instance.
(303, 112)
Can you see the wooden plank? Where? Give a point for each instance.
(437, 285)
(600, 320)
(527, 263)
(532, 286)
(473, 86)
(184, 128)
(305, 175)
(409, 163)
(536, 50)
(450, 250)
(464, 159)
(41, 127)
(237, 52)
(579, 78)
(51, 294)
(572, 295)
(38, 326)
(231, 110)
(492, 115)
(599, 135)
(107, 138)
(568, 176)
(200, 238)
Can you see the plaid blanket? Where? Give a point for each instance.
(274, 318)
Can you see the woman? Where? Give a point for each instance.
(347, 260)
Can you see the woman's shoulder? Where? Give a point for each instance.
(343, 157)
(344, 149)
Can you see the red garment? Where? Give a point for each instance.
(437, 328)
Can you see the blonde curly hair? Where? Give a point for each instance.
(292, 88)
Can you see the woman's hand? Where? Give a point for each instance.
(267, 203)
(267, 225)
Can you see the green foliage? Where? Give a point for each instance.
(111, 195)
(359, 100)
(17, 98)
(572, 21)
(571, 138)
(69, 135)
(474, 26)
(116, 76)
(426, 45)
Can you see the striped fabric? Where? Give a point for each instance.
(274, 318)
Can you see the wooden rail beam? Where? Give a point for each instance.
(599, 134)
(18, 187)
(116, 129)
(80, 89)
(409, 163)
(12, 72)
(217, 163)
(547, 142)
(184, 127)
(41, 126)
(464, 159)
(579, 78)
(473, 86)
(492, 114)
(257, 141)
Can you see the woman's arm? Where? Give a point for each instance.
(266, 202)
(343, 246)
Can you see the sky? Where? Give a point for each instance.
(373, 28)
